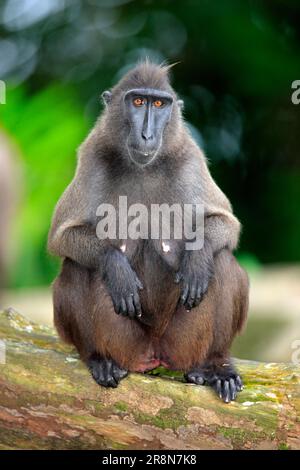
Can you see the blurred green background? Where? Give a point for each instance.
(237, 61)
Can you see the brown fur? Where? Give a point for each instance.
(178, 338)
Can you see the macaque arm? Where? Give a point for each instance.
(221, 230)
(77, 242)
(73, 235)
(73, 230)
(221, 227)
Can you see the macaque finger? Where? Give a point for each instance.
(137, 304)
(130, 306)
(184, 294)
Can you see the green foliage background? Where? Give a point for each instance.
(238, 59)
(47, 128)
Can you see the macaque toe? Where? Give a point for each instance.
(224, 380)
(105, 371)
(195, 377)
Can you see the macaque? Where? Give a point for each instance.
(134, 304)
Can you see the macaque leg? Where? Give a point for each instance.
(108, 343)
(198, 341)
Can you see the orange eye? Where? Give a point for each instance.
(138, 102)
(158, 103)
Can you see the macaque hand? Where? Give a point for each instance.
(123, 286)
(194, 275)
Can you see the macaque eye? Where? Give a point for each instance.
(138, 102)
(158, 103)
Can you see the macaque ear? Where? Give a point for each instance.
(180, 104)
(106, 97)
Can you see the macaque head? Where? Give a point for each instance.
(148, 111)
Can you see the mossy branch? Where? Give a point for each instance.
(49, 401)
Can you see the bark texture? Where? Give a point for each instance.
(49, 401)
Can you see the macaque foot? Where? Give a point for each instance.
(105, 371)
(224, 380)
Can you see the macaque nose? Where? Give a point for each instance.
(147, 134)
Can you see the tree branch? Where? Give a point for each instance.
(49, 401)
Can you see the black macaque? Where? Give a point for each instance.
(133, 304)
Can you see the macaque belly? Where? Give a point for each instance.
(159, 301)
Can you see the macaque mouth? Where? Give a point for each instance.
(142, 150)
(146, 154)
(141, 157)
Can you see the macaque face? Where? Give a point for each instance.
(148, 112)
